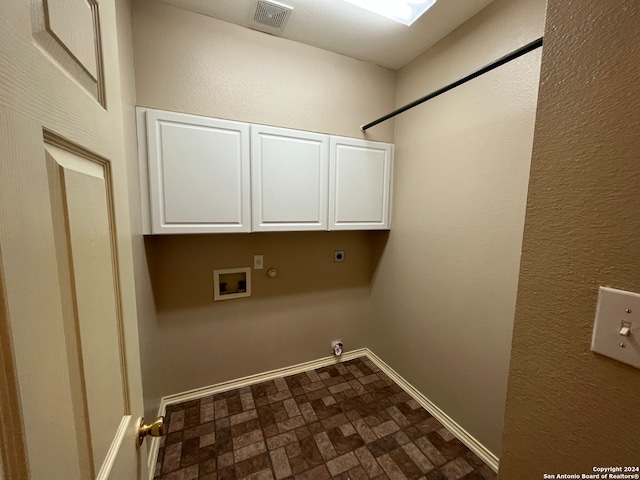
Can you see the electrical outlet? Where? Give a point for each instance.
(258, 262)
(338, 256)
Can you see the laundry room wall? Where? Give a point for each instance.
(443, 297)
(192, 63)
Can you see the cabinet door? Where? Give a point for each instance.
(360, 184)
(289, 175)
(198, 174)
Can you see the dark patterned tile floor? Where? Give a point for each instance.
(344, 421)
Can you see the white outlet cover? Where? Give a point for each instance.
(616, 307)
(258, 262)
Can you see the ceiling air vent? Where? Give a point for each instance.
(270, 16)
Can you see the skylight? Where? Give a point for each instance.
(402, 11)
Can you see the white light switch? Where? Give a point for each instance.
(616, 331)
(258, 262)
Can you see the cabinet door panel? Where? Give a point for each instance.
(289, 172)
(360, 184)
(198, 174)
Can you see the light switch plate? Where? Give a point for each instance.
(258, 262)
(617, 309)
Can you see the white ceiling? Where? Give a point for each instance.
(341, 27)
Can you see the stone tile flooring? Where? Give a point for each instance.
(344, 421)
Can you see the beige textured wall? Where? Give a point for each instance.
(568, 409)
(196, 64)
(144, 295)
(287, 320)
(443, 297)
(191, 63)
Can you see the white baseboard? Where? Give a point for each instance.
(239, 383)
(474, 445)
(461, 434)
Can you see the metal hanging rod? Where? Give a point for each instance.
(487, 68)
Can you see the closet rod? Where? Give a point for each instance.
(487, 68)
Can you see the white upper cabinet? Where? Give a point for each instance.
(198, 173)
(360, 181)
(289, 179)
(205, 175)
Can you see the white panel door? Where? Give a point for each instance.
(198, 174)
(360, 184)
(289, 172)
(71, 395)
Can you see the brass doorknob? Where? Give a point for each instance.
(156, 429)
